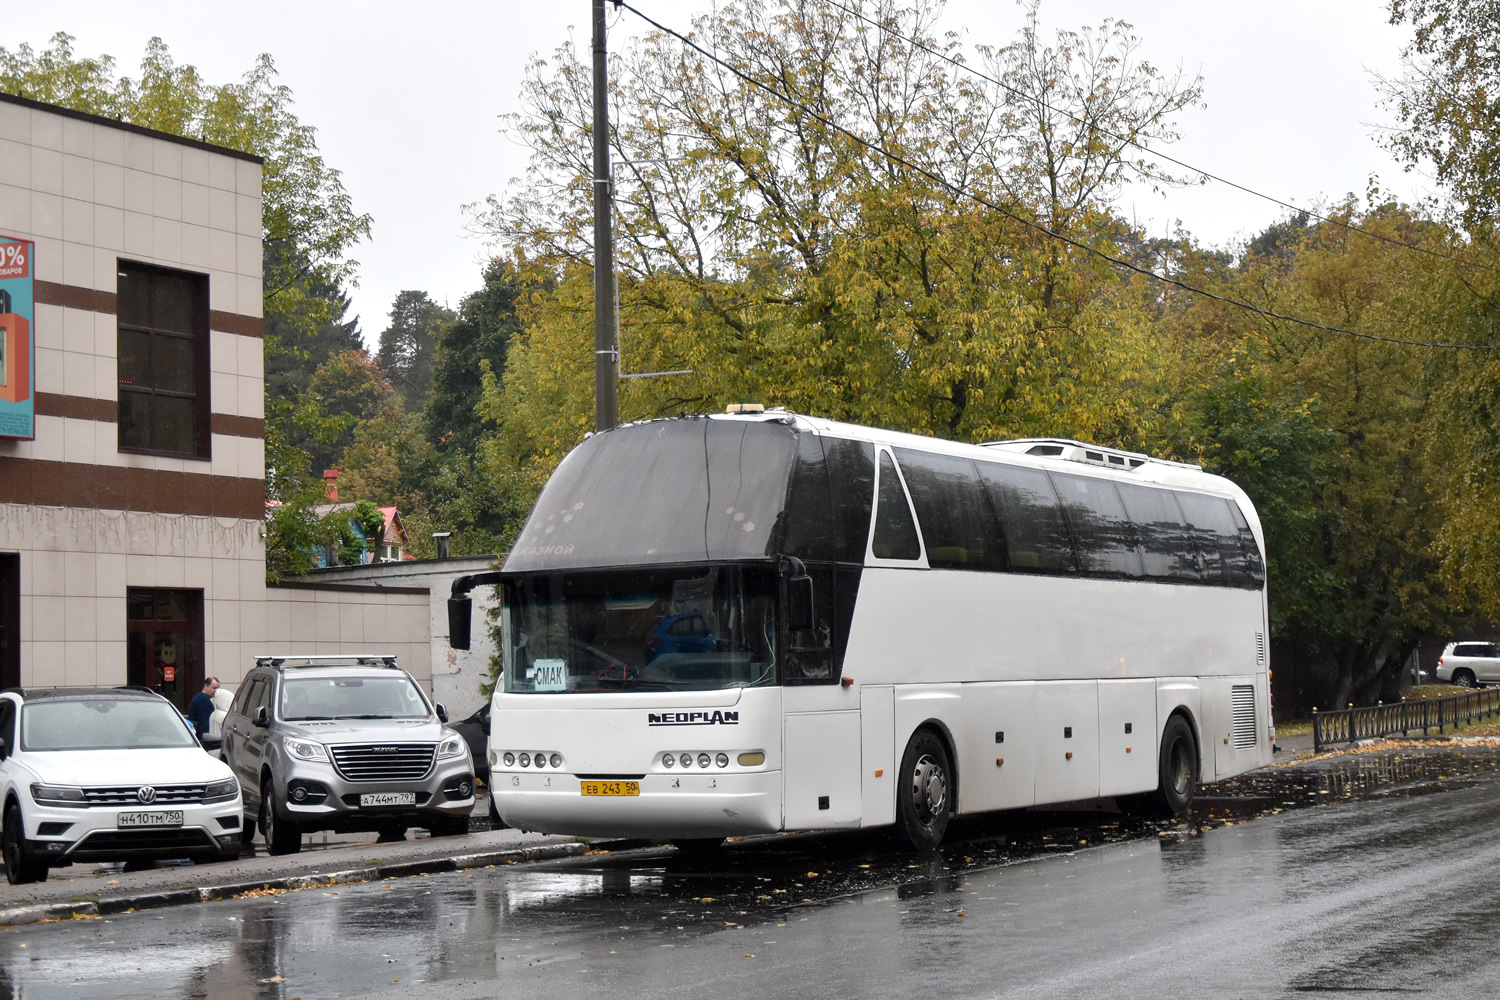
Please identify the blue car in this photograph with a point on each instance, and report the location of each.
(684, 633)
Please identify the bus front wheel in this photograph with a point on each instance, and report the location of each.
(925, 793)
(1177, 769)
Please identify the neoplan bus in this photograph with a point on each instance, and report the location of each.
(744, 623)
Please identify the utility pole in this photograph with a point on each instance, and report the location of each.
(606, 357)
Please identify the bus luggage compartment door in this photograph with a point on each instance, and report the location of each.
(821, 770)
(1067, 716)
(1127, 736)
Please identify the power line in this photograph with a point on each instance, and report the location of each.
(1147, 149)
(961, 193)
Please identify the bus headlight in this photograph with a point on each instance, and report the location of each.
(667, 760)
(722, 760)
(555, 760)
(509, 759)
(704, 760)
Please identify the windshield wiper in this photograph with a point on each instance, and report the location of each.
(311, 718)
(372, 716)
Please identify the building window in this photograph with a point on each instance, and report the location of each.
(163, 361)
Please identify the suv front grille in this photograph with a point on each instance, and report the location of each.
(383, 761)
(128, 795)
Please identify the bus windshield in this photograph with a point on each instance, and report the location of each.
(683, 628)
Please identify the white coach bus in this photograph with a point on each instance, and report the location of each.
(744, 623)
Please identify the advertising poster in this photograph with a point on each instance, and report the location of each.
(17, 354)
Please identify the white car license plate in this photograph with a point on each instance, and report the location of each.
(164, 817)
(388, 799)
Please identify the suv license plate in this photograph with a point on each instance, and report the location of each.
(388, 799)
(166, 817)
(611, 788)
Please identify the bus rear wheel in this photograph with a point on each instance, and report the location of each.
(1177, 769)
(924, 794)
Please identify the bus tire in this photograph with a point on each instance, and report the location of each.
(924, 792)
(1177, 769)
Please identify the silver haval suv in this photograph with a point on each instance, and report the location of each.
(344, 743)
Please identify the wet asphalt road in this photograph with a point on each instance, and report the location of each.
(1387, 888)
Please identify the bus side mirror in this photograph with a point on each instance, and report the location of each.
(460, 611)
(799, 597)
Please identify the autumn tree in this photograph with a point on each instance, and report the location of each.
(1330, 433)
(837, 218)
(1447, 102)
(1448, 99)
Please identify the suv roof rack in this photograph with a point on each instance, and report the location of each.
(293, 661)
(1079, 451)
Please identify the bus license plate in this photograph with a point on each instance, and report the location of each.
(611, 788)
(388, 799)
(164, 817)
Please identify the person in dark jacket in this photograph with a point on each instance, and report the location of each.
(201, 708)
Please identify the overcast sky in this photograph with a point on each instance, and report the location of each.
(406, 100)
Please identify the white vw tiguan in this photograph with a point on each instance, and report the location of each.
(109, 774)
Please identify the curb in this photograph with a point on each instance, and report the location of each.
(206, 894)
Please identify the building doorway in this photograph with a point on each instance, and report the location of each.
(10, 620)
(164, 647)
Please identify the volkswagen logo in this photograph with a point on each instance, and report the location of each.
(146, 794)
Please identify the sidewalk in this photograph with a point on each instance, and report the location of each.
(325, 859)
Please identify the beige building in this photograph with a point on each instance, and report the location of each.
(131, 523)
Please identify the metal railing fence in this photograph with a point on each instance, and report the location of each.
(1349, 725)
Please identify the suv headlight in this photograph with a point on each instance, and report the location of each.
(221, 791)
(306, 749)
(58, 795)
(453, 747)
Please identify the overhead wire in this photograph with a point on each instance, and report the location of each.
(965, 67)
(1032, 224)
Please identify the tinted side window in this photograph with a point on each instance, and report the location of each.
(953, 512)
(243, 698)
(851, 473)
(1166, 547)
(810, 530)
(1102, 532)
(829, 499)
(1253, 571)
(1474, 649)
(1031, 521)
(1213, 532)
(260, 697)
(895, 532)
